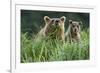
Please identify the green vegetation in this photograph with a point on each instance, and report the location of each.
(38, 49)
(44, 49)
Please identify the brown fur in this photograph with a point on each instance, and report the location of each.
(54, 27)
(73, 33)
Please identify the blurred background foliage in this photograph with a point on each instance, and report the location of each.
(32, 21)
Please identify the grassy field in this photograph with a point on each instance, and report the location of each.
(45, 50)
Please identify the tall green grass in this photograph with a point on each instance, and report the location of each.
(39, 49)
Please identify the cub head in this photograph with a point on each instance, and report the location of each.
(54, 22)
(75, 26)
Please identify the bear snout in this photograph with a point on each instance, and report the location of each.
(56, 22)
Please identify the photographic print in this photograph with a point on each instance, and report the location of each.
(48, 36)
(51, 36)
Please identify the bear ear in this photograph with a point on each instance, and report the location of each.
(63, 18)
(80, 22)
(47, 19)
(70, 21)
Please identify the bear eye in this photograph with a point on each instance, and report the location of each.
(52, 20)
(73, 25)
(77, 26)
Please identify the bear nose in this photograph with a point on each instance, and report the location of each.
(75, 30)
(57, 21)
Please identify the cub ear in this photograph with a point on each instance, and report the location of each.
(63, 18)
(47, 19)
(80, 22)
(70, 21)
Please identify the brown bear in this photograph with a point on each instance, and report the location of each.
(54, 27)
(73, 32)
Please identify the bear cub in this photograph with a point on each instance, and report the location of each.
(54, 28)
(73, 32)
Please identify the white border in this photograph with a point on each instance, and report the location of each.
(15, 51)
